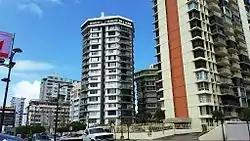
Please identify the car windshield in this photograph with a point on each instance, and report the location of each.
(96, 130)
(42, 137)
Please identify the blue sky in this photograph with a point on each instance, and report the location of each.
(48, 31)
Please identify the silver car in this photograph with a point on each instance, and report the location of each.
(6, 137)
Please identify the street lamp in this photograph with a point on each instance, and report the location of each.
(57, 105)
(10, 65)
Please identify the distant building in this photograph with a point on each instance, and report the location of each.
(49, 87)
(146, 90)
(107, 70)
(18, 103)
(75, 102)
(44, 113)
(9, 117)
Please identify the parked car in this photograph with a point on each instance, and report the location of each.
(6, 137)
(40, 137)
(97, 134)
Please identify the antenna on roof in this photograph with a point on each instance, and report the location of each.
(102, 14)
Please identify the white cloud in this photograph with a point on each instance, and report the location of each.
(27, 90)
(28, 65)
(32, 7)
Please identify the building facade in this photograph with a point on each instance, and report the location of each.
(107, 70)
(18, 103)
(44, 113)
(75, 102)
(202, 53)
(49, 88)
(146, 90)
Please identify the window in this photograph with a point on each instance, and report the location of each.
(93, 91)
(111, 39)
(112, 97)
(94, 53)
(93, 85)
(204, 98)
(94, 40)
(93, 113)
(111, 57)
(111, 45)
(93, 106)
(95, 28)
(111, 27)
(202, 86)
(95, 34)
(113, 112)
(112, 77)
(93, 99)
(112, 105)
(111, 33)
(94, 47)
(113, 64)
(111, 91)
(94, 65)
(94, 71)
(111, 51)
(192, 5)
(93, 78)
(111, 70)
(95, 59)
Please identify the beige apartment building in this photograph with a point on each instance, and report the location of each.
(203, 58)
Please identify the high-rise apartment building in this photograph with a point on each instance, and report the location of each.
(49, 88)
(18, 103)
(107, 70)
(146, 90)
(75, 102)
(44, 113)
(202, 52)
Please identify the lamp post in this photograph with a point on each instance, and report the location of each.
(10, 65)
(57, 105)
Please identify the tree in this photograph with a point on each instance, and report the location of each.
(244, 115)
(62, 129)
(219, 116)
(30, 129)
(76, 126)
(143, 117)
(159, 115)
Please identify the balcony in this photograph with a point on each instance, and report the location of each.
(231, 38)
(247, 87)
(243, 52)
(247, 80)
(213, 6)
(234, 6)
(248, 15)
(227, 92)
(216, 13)
(219, 41)
(235, 67)
(227, 22)
(245, 71)
(221, 51)
(224, 71)
(223, 61)
(229, 31)
(238, 29)
(231, 103)
(242, 45)
(240, 37)
(233, 58)
(231, 115)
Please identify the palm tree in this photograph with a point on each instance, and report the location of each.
(245, 116)
(219, 116)
(159, 115)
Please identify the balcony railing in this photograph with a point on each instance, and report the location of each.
(242, 45)
(238, 29)
(222, 61)
(240, 37)
(224, 71)
(229, 31)
(221, 51)
(219, 41)
(214, 6)
(234, 57)
(235, 67)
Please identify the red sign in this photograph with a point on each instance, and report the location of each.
(6, 41)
